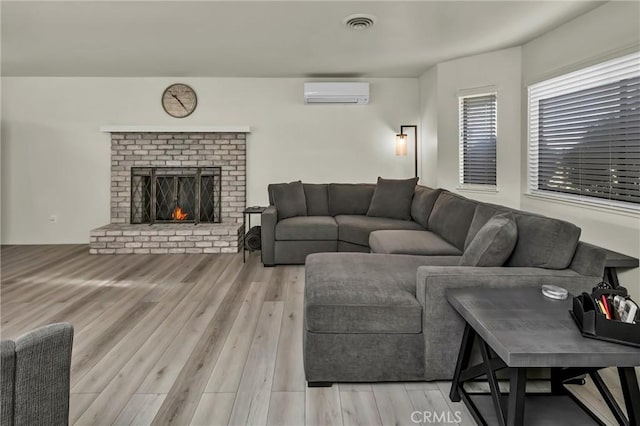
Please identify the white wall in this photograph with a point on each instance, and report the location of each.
(603, 33)
(56, 162)
(429, 127)
(499, 71)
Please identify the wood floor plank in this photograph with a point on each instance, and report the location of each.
(166, 370)
(28, 320)
(359, 409)
(433, 407)
(421, 386)
(110, 365)
(164, 373)
(252, 400)
(394, 405)
(85, 357)
(213, 409)
(277, 284)
(289, 375)
(115, 394)
(78, 403)
(228, 370)
(355, 387)
(323, 407)
(286, 408)
(140, 410)
(184, 396)
(54, 256)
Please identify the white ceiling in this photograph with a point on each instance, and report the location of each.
(262, 38)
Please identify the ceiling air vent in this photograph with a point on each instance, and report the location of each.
(359, 21)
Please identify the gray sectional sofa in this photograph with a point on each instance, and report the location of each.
(383, 315)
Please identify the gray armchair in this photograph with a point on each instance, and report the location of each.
(34, 377)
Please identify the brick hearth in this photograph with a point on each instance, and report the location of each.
(166, 238)
(180, 149)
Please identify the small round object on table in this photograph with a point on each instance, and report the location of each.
(554, 292)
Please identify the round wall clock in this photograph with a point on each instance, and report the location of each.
(179, 100)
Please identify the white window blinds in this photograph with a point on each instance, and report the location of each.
(477, 134)
(584, 134)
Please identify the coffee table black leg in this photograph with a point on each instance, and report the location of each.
(608, 398)
(557, 388)
(517, 389)
(493, 382)
(463, 361)
(629, 384)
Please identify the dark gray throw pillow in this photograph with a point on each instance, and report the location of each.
(493, 243)
(392, 198)
(289, 199)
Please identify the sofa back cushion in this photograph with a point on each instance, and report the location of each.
(423, 200)
(484, 212)
(289, 199)
(493, 243)
(350, 198)
(543, 242)
(317, 199)
(451, 217)
(392, 198)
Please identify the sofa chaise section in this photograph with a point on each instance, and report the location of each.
(361, 317)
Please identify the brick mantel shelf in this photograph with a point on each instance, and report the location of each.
(124, 128)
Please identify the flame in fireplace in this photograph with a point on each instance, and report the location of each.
(178, 214)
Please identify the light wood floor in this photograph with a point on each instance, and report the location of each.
(195, 339)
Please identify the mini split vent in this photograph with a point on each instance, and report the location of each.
(359, 21)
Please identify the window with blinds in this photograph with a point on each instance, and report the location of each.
(584, 134)
(477, 133)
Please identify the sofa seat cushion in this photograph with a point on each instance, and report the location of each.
(363, 293)
(302, 228)
(422, 243)
(356, 228)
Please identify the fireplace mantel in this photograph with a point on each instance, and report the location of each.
(115, 128)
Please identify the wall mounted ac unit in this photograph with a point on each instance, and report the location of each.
(336, 93)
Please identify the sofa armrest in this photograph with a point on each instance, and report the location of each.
(589, 260)
(443, 326)
(268, 221)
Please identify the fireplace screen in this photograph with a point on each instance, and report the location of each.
(175, 194)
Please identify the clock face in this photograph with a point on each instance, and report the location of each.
(179, 100)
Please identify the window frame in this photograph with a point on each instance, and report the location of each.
(532, 133)
(466, 94)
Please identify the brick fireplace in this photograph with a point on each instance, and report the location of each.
(158, 172)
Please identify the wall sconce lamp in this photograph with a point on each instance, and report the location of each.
(401, 144)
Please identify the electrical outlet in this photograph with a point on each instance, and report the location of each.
(53, 218)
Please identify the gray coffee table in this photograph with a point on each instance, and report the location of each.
(518, 329)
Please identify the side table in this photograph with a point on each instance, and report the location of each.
(246, 213)
(518, 328)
